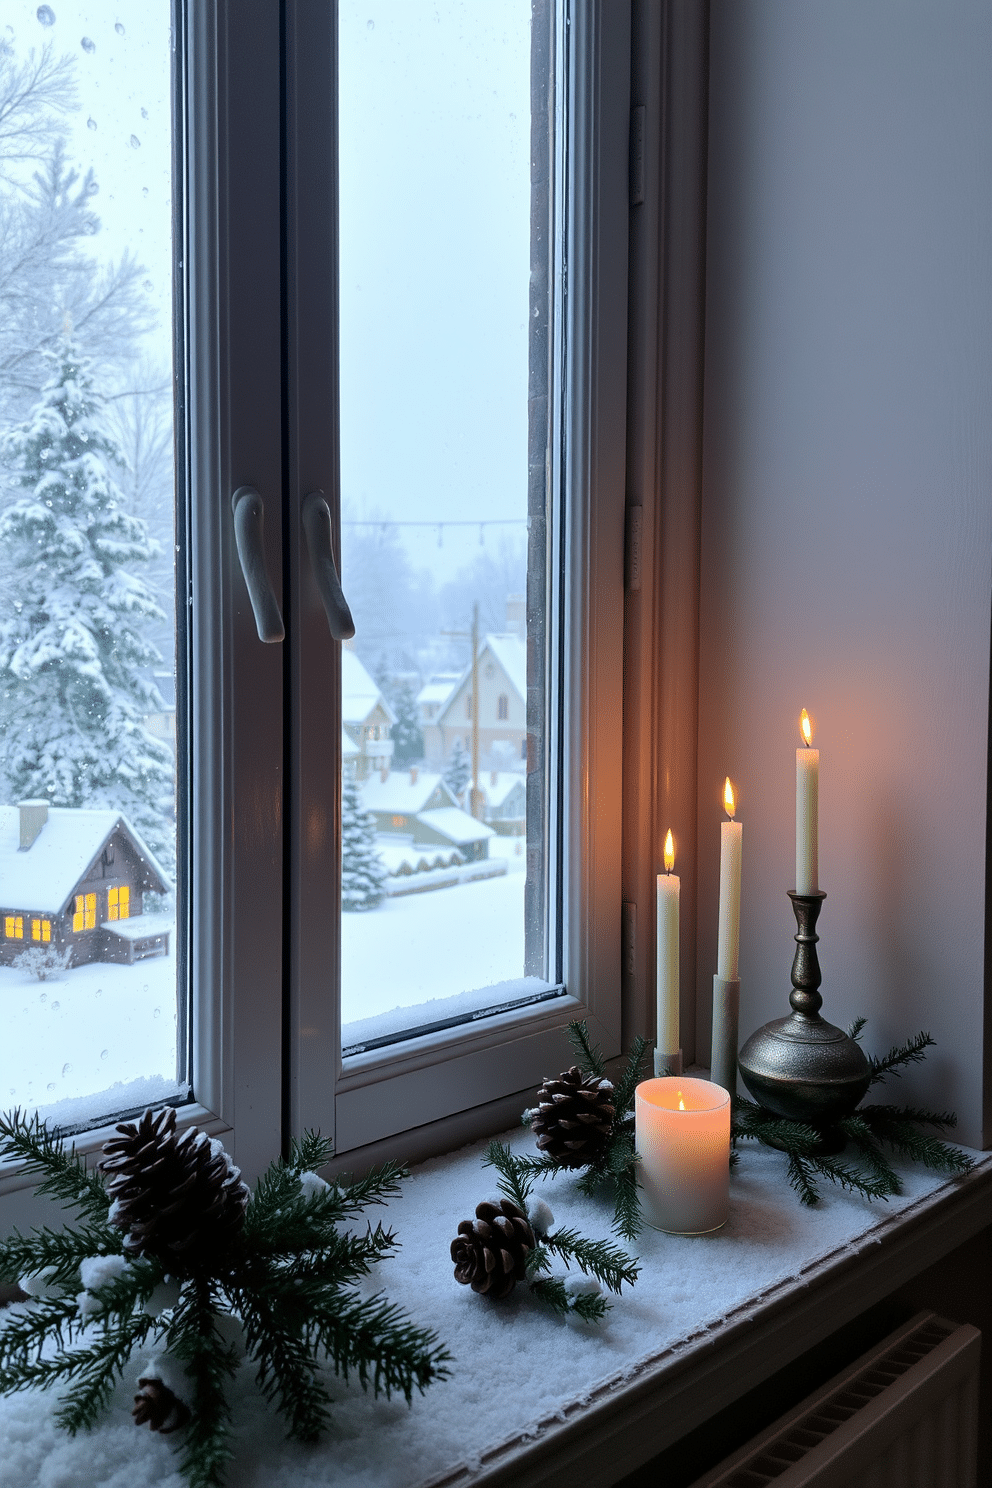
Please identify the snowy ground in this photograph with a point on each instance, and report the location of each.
(107, 1028)
(412, 950)
(92, 1029)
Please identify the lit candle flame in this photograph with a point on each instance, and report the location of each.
(807, 728)
(729, 804)
(669, 852)
(681, 1102)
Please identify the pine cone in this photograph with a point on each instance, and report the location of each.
(180, 1197)
(156, 1404)
(490, 1252)
(573, 1118)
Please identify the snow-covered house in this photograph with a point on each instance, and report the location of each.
(367, 718)
(502, 670)
(450, 825)
(434, 694)
(397, 798)
(77, 878)
(505, 801)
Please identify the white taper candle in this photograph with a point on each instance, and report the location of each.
(729, 937)
(669, 889)
(807, 812)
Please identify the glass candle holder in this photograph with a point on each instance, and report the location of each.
(682, 1128)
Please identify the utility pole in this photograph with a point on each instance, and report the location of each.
(476, 800)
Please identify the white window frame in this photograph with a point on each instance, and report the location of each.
(264, 720)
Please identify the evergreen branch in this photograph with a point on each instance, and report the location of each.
(627, 1217)
(99, 1367)
(899, 1130)
(590, 1058)
(801, 1179)
(376, 1339)
(210, 1363)
(377, 1186)
(860, 1133)
(882, 1113)
(854, 1032)
(339, 1258)
(287, 1364)
(27, 1139)
(537, 1260)
(309, 1153)
(62, 1250)
(608, 1263)
(631, 1077)
(514, 1182)
(539, 1167)
(913, 1051)
(550, 1290)
(27, 1331)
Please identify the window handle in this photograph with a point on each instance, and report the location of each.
(249, 514)
(317, 526)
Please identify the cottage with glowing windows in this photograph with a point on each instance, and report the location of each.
(77, 879)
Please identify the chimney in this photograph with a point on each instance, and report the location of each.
(516, 615)
(413, 774)
(384, 774)
(34, 815)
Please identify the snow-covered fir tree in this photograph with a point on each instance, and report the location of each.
(363, 874)
(408, 741)
(458, 771)
(72, 634)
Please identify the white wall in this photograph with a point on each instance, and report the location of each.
(847, 521)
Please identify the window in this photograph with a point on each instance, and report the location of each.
(41, 930)
(119, 902)
(14, 927)
(84, 912)
(255, 326)
(502, 706)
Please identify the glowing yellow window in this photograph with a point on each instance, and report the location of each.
(41, 930)
(119, 903)
(13, 927)
(84, 913)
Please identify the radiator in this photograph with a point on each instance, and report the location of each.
(904, 1415)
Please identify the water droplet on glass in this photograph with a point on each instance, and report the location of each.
(144, 113)
(98, 992)
(46, 16)
(90, 123)
(56, 1006)
(104, 1053)
(157, 1013)
(144, 190)
(52, 1085)
(148, 285)
(370, 25)
(66, 1068)
(119, 28)
(43, 997)
(88, 45)
(145, 987)
(135, 142)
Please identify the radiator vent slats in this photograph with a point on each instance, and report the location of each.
(904, 1416)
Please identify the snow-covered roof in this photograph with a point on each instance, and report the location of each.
(497, 791)
(359, 694)
(511, 653)
(44, 875)
(456, 825)
(140, 927)
(439, 688)
(349, 749)
(399, 794)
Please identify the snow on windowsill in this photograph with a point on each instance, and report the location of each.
(514, 1366)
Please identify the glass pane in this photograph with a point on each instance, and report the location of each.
(87, 549)
(444, 213)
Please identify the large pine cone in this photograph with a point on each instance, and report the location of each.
(490, 1252)
(573, 1118)
(180, 1198)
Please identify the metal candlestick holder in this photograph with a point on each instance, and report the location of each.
(802, 1067)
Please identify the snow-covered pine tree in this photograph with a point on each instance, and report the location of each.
(458, 770)
(72, 644)
(408, 741)
(363, 874)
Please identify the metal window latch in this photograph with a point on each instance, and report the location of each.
(317, 526)
(249, 513)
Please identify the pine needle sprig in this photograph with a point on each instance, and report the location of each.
(590, 1059)
(856, 1028)
(309, 1153)
(374, 1339)
(211, 1364)
(59, 1251)
(899, 1127)
(551, 1291)
(860, 1134)
(515, 1180)
(96, 1369)
(23, 1334)
(600, 1258)
(26, 1139)
(631, 1077)
(913, 1051)
(287, 1364)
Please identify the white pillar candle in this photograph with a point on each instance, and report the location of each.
(807, 812)
(669, 889)
(729, 938)
(682, 1135)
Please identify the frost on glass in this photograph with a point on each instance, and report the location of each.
(87, 546)
(436, 218)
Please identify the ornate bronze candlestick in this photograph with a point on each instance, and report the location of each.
(802, 1067)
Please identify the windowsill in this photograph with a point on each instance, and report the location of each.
(531, 1396)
